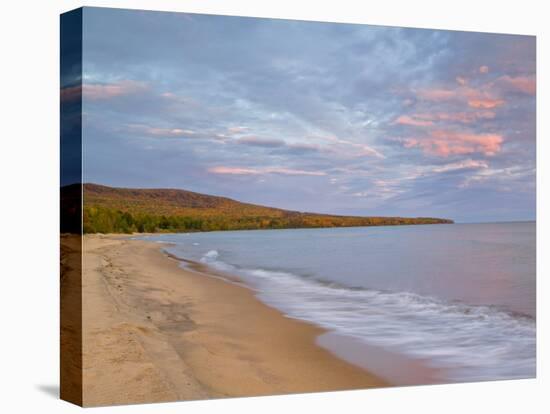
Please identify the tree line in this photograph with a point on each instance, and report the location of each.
(98, 219)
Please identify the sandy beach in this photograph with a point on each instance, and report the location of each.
(153, 331)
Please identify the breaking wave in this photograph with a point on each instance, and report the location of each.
(472, 343)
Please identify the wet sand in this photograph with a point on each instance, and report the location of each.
(153, 332)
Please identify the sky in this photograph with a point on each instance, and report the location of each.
(311, 116)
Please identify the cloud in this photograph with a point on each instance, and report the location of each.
(407, 120)
(482, 97)
(237, 129)
(437, 94)
(342, 146)
(463, 117)
(159, 132)
(234, 171)
(461, 80)
(524, 84)
(101, 91)
(468, 164)
(169, 132)
(304, 147)
(485, 103)
(429, 119)
(198, 107)
(501, 177)
(279, 146)
(262, 171)
(486, 96)
(443, 143)
(261, 142)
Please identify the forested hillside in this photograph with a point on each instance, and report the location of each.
(125, 210)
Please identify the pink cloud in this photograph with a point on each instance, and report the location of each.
(437, 94)
(99, 91)
(171, 132)
(234, 171)
(237, 129)
(444, 143)
(407, 120)
(465, 117)
(159, 132)
(525, 84)
(427, 119)
(481, 97)
(486, 96)
(485, 103)
(262, 171)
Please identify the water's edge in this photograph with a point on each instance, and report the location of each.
(438, 340)
(394, 368)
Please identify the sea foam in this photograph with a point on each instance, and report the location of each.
(470, 343)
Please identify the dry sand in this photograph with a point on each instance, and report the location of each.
(153, 331)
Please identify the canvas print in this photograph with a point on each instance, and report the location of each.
(256, 206)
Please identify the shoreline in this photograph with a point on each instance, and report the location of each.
(154, 331)
(394, 368)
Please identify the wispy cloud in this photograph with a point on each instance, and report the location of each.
(443, 143)
(468, 164)
(414, 120)
(262, 171)
(100, 91)
(261, 142)
(239, 129)
(429, 119)
(502, 178)
(449, 108)
(483, 97)
(159, 132)
(351, 148)
(524, 84)
(485, 102)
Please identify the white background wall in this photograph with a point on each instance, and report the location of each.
(29, 206)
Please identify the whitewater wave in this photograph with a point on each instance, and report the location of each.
(210, 257)
(471, 343)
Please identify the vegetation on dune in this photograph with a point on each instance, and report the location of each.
(118, 210)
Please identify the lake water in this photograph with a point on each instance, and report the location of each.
(459, 297)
